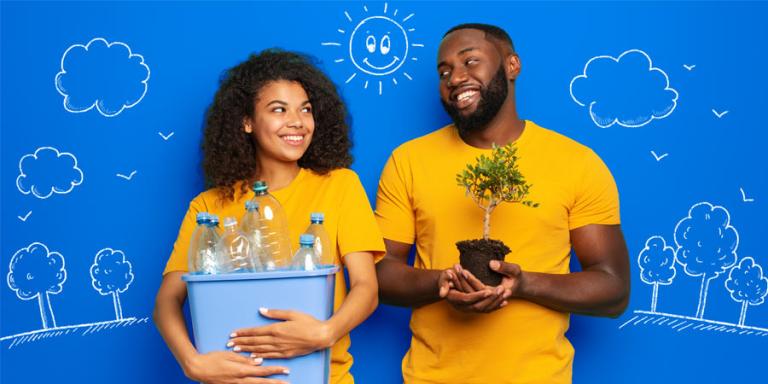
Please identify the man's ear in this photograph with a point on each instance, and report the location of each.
(512, 66)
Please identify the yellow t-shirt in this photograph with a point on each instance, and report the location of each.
(349, 222)
(420, 202)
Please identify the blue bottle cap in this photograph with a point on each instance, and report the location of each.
(251, 205)
(260, 186)
(214, 220)
(306, 239)
(316, 217)
(203, 217)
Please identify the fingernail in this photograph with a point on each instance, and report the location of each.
(230, 344)
(499, 290)
(466, 274)
(236, 349)
(263, 310)
(494, 264)
(286, 371)
(258, 360)
(503, 304)
(233, 334)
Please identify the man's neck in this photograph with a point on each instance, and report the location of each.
(505, 128)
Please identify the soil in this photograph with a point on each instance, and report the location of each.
(474, 255)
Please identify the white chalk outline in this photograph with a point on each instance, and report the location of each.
(165, 137)
(651, 68)
(40, 334)
(115, 294)
(657, 157)
(33, 190)
(689, 67)
(129, 177)
(387, 70)
(39, 298)
(719, 114)
(655, 284)
(688, 321)
(745, 303)
(705, 281)
(25, 217)
(95, 103)
(744, 196)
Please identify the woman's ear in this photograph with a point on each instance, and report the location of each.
(247, 126)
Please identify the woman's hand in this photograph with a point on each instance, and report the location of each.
(299, 334)
(230, 368)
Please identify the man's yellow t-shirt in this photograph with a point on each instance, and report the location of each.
(420, 202)
(349, 222)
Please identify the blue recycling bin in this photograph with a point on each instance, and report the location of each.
(220, 304)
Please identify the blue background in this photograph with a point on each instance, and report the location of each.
(188, 45)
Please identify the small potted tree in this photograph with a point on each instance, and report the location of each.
(489, 182)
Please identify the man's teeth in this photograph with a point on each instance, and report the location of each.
(465, 95)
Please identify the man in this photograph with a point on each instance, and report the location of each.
(464, 331)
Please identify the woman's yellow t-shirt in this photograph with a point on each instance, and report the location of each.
(349, 221)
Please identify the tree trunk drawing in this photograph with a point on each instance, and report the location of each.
(46, 313)
(744, 305)
(118, 307)
(655, 297)
(702, 297)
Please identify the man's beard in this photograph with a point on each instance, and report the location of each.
(491, 99)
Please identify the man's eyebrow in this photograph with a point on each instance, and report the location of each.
(463, 51)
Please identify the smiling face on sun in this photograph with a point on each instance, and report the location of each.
(378, 46)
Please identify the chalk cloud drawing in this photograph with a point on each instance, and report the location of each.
(35, 273)
(111, 274)
(744, 197)
(48, 171)
(626, 90)
(104, 75)
(705, 245)
(378, 46)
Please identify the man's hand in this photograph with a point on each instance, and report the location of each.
(299, 334)
(512, 281)
(466, 293)
(230, 368)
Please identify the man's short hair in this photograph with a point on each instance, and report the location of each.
(492, 33)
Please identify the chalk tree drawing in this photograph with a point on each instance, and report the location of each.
(706, 245)
(48, 171)
(657, 265)
(626, 90)
(34, 273)
(108, 76)
(111, 274)
(747, 285)
(378, 46)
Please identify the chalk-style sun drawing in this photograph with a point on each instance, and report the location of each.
(378, 46)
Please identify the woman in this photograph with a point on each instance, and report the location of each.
(279, 119)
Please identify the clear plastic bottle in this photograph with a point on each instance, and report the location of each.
(274, 226)
(251, 227)
(322, 245)
(235, 248)
(204, 255)
(305, 258)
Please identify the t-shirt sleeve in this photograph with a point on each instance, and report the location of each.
(596, 199)
(179, 256)
(394, 209)
(358, 231)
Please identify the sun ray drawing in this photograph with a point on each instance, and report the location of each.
(377, 43)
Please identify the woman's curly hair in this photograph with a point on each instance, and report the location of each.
(229, 153)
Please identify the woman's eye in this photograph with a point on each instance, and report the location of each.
(307, 109)
(278, 110)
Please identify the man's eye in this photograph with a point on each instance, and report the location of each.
(472, 61)
(443, 74)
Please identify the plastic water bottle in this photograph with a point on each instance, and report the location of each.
(235, 248)
(305, 258)
(274, 226)
(251, 227)
(204, 255)
(322, 244)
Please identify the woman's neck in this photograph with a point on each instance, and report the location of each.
(277, 174)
